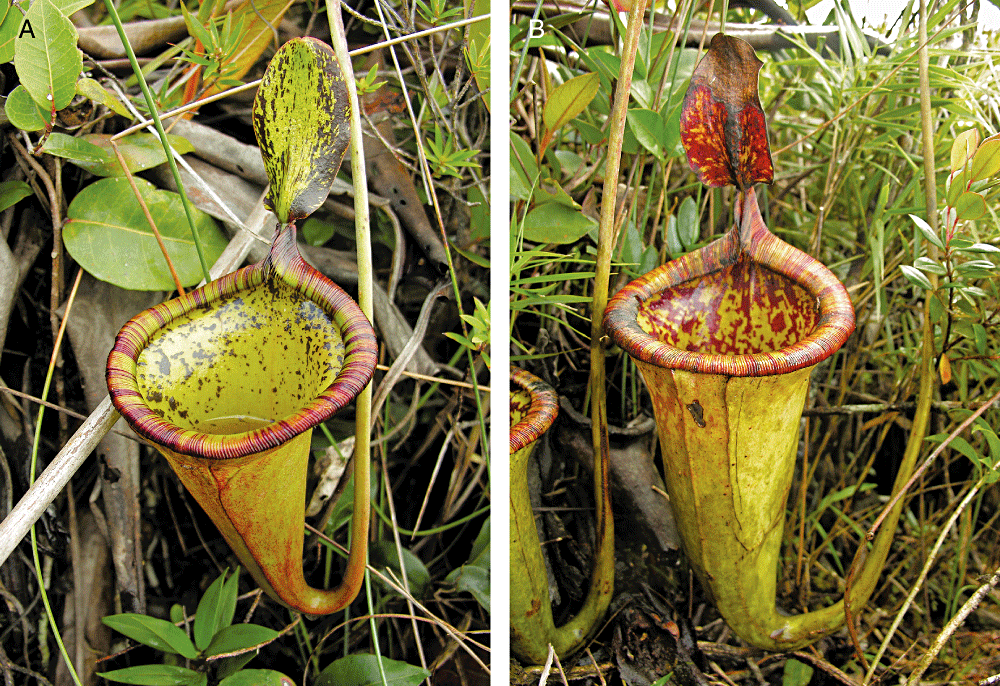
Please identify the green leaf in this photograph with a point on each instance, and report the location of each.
(72, 148)
(523, 168)
(12, 192)
(301, 119)
(240, 638)
(47, 59)
(68, 7)
(963, 148)
(927, 232)
(10, 24)
(157, 675)
(23, 112)
(649, 129)
(796, 674)
(688, 222)
(257, 677)
(474, 575)
(209, 615)
(153, 632)
(89, 88)
(363, 670)
(554, 222)
(384, 554)
(569, 99)
(986, 161)
(916, 277)
(141, 151)
(970, 206)
(926, 264)
(109, 236)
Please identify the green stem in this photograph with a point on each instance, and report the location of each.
(50, 615)
(151, 105)
(602, 581)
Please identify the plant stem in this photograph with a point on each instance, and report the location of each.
(602, 581)
(168, 151)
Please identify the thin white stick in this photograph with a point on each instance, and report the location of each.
(55, 477)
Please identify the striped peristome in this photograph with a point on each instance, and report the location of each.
(282, 279)
(748, 304)
(533, 408)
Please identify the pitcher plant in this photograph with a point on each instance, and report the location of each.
(228, 381)
(533, 408)
(725, 338)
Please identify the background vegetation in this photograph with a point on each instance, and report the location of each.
(126, 537)
(845, 131)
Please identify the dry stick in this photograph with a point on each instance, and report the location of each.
(918, 584)
(952, 626)
(149, 217)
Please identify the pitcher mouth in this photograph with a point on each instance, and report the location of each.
(537, 416)
(812, 296)
(282, 267)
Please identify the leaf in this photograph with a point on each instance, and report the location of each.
(362, 670)
(209, 616)
(13, 192)
(68, 7)
(23, 112)
(796, 674)
(109, 236)
(554, 222)
(47, 59)
(240, 638)
(10, 25)
(157, 675)
(257, 677)
(568, 100)
(963, 148)
(927, 231)
(523, 168)
(89, 88)
(301, 120)
(384, 554)
(649, 129)
(71, 148)
(141, 151)
(474, 575)
(970, 206)
(986, 161)
(722, 122)
(916, 277)
(688, 222)
(153, 632)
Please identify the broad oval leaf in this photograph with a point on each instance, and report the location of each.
(240, 638)
(10, 24)
(301, 117)
(257, 677)
(12, 192)
(722, 122)
(986, 161)
(153, 632)
(72, 148)
(108, 234)
(553, 222)
(363, 670)
(963, 148)
(141, 151)
(157, 675)
(384, 554)
(688, 222)
(569, 99)
(649, 129)
(23, 112)
(46, 58)
(970, 206)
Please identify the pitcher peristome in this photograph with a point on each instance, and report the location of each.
(228, 382)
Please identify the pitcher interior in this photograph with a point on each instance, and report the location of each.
(742, 309)
(241, 361)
